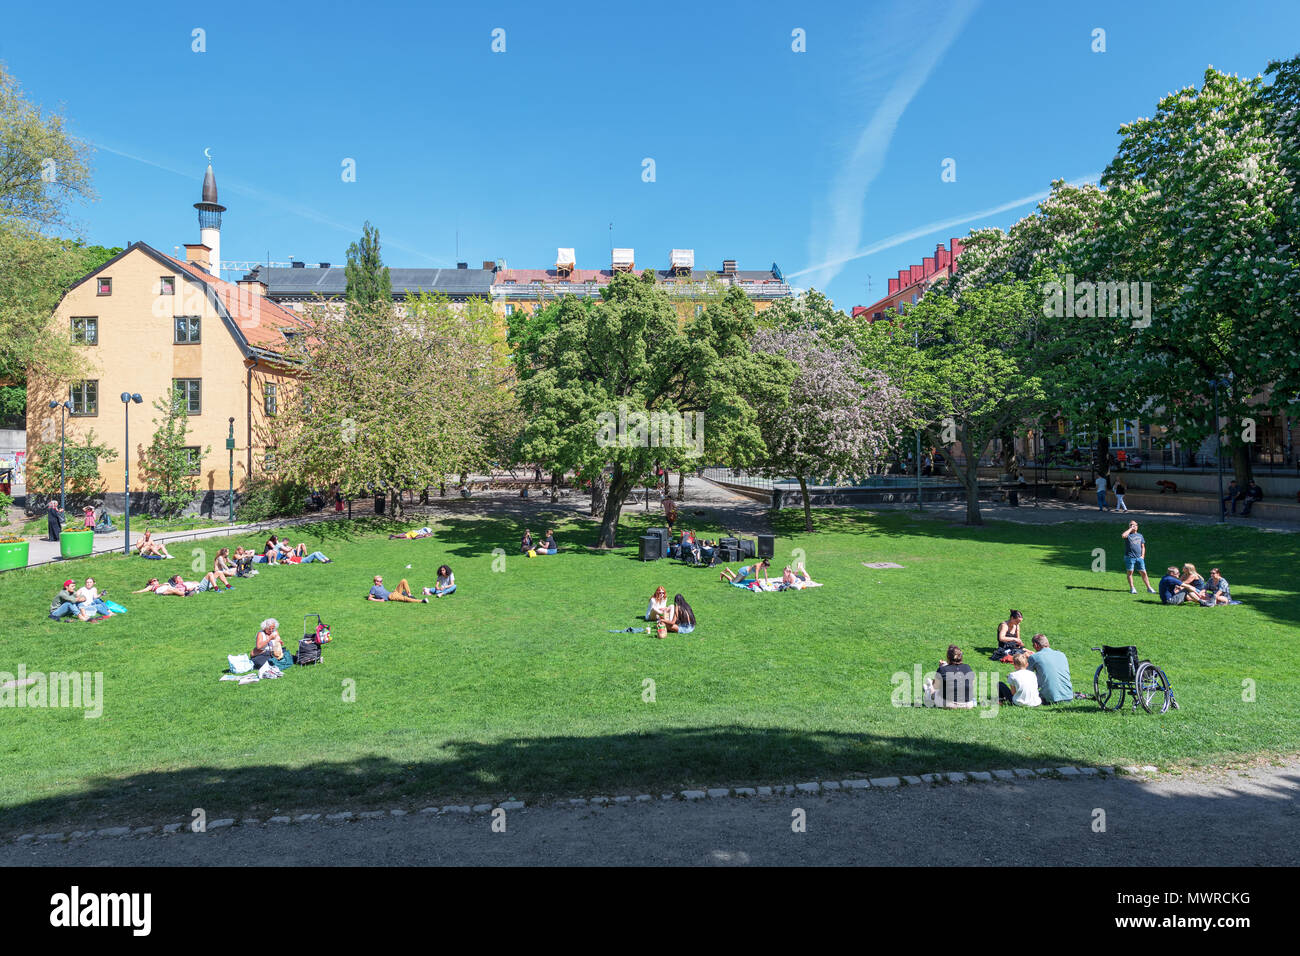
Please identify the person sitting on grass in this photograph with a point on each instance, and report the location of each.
(267, 646)
(90, 601)
(1193, 580)
(67, 605)
(1052, 670)
(1216, 590)
(270, 551)
(400, 593)
(149, 548)
(953, 684)
(748, 574)
(675, 618)
(658, 604)
(547, 544)
(444, 584)
(1009, 630)
(244, 562)
(1021, 685)
(526, 543)
(1172, 589)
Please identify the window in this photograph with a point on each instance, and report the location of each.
(167, 285)
(1124, 435)
(85, 330)
(510, 309)
(193, 458)
(104, 286)
(190, 391)
(85, 398)
(187, 330)
(268, 460)
(269, 398)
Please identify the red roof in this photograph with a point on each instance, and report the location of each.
(261, 321)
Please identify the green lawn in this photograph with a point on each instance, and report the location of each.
(514, 687)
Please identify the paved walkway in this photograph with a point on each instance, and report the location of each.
(1211, 818)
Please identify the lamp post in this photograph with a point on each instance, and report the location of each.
(127, 399)
(916, 344)
(230, 446)
(63, 447)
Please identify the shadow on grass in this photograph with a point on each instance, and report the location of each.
(532, 769)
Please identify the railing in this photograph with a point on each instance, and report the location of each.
(552, 290)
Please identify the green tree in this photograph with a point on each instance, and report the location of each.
(1200, 203)
(960, 356)
(168, 469)
(84, 485)
(368, 280)
(607, 378)
(43, 168)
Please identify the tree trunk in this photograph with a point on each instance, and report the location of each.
(681, 486)
(394, 502)
(618, 488)
(807, 502)
(1241, 465)
(598, 494)
(442, 488)
(555, 487)
(971, 479)
(1103, 453)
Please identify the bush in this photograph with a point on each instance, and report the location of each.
(85, 486)
(6, 503)
(262, 499)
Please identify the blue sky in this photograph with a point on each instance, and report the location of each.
(761, 154)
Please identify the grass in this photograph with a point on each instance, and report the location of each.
(513, 687)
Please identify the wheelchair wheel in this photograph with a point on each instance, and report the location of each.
(1153, 688)
(1103, 691)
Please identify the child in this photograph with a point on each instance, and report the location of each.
(1023, 689)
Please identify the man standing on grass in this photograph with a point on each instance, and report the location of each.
(1135, 556)
(1101, 492)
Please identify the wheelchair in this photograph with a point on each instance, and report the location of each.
(1124, 674)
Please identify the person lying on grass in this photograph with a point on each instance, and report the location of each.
(267, 645)
(179, 587)
(412, 535)
(67, 605)
(754, 572)
(149, 548)
(401, 593)
(796, 577)
(299, 555)
(444, 584)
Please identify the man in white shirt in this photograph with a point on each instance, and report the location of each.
(1101, 492)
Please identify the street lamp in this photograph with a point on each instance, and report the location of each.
(127, 399)
(63, 446)
(230, 446)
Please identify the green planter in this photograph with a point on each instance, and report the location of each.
(76, 544)
(13, 556)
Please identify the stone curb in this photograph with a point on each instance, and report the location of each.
(970, 777)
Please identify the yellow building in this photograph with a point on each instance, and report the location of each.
(149, 323)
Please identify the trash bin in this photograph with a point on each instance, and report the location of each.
(379, 504)
(1013, 497)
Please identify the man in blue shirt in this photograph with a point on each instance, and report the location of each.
(1052, 670)
(1172, 590)
(1135, 556)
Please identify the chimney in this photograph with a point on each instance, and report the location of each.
(893, 286)
(251, 287)
(199, 254)
(324, 265)
(489, 265)
(462, 265)
(728, 267)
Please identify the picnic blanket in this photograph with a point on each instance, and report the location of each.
(758, 586)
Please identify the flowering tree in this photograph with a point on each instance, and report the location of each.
(839, 420)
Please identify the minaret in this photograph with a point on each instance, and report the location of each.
(210, 220)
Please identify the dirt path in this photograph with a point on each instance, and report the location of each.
(1221, 818)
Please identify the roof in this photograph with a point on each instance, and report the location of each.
(260, 321)
(306, 283)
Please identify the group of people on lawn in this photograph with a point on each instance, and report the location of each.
(445, 583)
(665, 617)
(85, 603)
(1037, 677)
(1177, 585)
(533, 548)
(755, 577)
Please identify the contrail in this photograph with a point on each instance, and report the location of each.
(922, 231)
(304, 212)
(860, 170)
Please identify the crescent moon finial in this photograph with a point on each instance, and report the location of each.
(207, 151)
